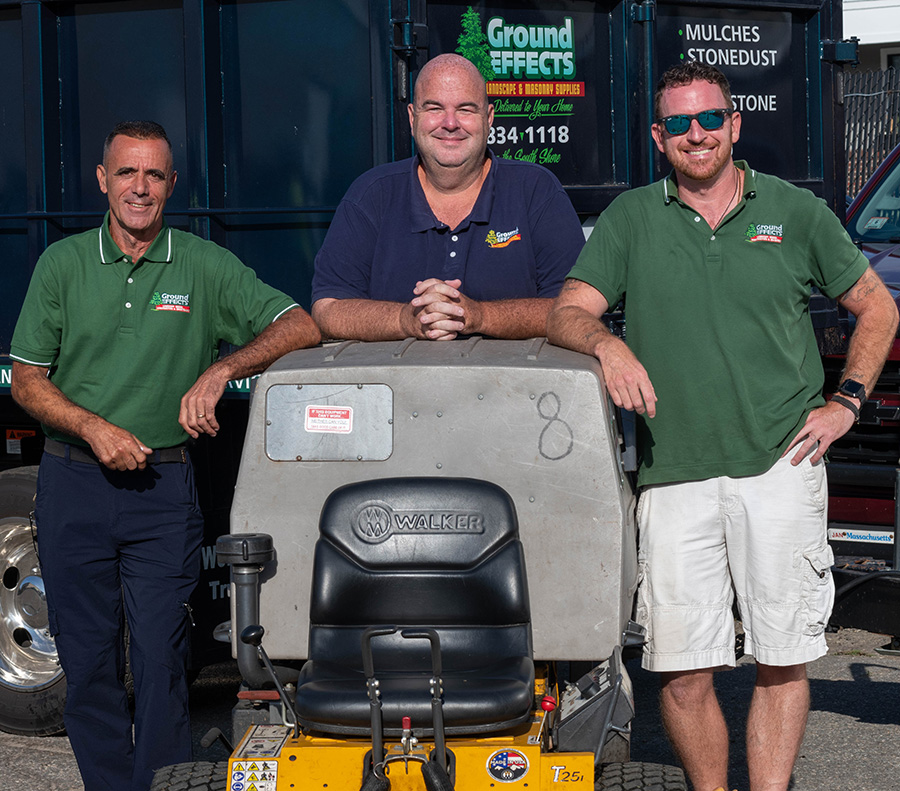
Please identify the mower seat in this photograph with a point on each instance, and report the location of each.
(437, 553)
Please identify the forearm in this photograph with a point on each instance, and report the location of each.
(45, 402)
(876, 328)
(869, 346)
(575, 328)
(294, 330)
(512, 318)
(365, 319)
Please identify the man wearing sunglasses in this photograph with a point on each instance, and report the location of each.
(715, 263)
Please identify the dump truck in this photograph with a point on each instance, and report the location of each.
(273, 109)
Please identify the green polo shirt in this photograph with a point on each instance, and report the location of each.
(127, 339)
(720, 319)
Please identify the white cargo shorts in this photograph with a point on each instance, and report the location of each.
(761, 538)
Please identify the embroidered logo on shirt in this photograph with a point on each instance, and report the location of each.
(503, 238)
(765, 233)
(177, 302)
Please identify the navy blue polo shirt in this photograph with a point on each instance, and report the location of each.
(520, 240)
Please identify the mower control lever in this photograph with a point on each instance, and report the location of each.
(253, 635)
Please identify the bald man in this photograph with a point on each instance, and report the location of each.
(454, 241)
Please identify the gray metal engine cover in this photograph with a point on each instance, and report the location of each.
(526, 415)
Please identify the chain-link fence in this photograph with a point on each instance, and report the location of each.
(872, 113)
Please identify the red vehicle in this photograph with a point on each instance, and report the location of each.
(864, 465)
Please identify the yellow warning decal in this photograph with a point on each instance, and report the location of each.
(253, 776)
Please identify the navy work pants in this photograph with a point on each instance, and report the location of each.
(108, 539)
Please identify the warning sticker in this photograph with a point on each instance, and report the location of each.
(329, 419)
(14, 438)
(263, 741)
(254, 776)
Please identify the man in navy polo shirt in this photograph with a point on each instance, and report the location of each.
(454, 241)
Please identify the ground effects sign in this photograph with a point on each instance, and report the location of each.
(538, 68)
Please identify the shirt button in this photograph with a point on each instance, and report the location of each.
(453, 255)
(455, 238)
(131, 280)
(712, 238)
(127, 304)
(696, 219)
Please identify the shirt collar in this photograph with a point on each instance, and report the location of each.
(160, 249)
(423, 219)
(670, 185)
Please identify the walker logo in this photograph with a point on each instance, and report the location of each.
(503, 239)
(765, 233)
(864, 536)
(181, 303)
(507, 766)
(375, 522)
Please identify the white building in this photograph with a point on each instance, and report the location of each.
(876, 23)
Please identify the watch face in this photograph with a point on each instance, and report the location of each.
(853, 389)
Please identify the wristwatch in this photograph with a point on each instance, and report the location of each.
(853, 389)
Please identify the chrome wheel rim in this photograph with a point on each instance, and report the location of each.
(28, 659)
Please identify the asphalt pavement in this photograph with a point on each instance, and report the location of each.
(852, 741)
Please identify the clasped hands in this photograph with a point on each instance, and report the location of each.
(440, 312)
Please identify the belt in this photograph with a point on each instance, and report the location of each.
(176, 455)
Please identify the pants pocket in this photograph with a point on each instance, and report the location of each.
(817, 588)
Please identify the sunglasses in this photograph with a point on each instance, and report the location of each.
(708, 119)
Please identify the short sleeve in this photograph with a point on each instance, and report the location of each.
(343, 267)
(246, 305)
(36, 338)
(603, 261)
(558, 239)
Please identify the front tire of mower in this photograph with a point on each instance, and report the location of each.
(636, 776)
(197, 776)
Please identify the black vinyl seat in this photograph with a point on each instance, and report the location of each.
(435, 553)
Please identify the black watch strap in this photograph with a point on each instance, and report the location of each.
(846, 402)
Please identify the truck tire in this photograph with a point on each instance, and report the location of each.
(635, 776)
(198, 776)
(32, 684)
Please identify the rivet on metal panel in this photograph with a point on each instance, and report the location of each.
(359, 458)
(390, 421)
(299, 387)
(480, 397)
(439, 466)
(299, 458)
(440, 414)
(531, 396)
(415, 414)
(530, 499)
(268, 422)
(359, 387)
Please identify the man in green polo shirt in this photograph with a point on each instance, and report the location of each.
(115, 352)
(715, 264)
